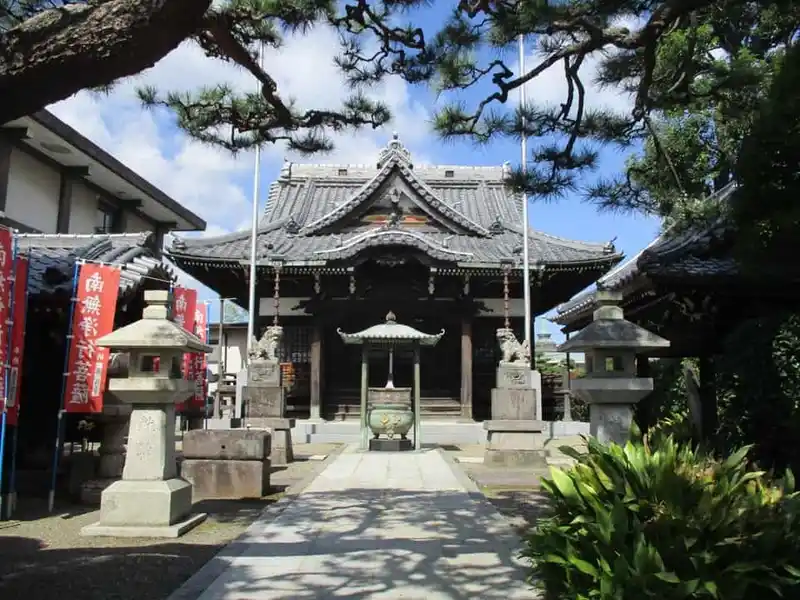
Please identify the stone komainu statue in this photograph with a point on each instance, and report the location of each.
(268, 346)
(514, 352)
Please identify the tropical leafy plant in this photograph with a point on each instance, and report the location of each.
(663, 520)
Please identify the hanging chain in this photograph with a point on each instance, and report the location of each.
(506, 301)
(276, 295)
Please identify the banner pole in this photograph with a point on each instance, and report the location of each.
(12, 479)
(202, 361)
(51, 499)
(7, 329)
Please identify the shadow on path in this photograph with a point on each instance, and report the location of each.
(371, 543)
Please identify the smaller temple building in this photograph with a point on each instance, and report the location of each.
(340, 246)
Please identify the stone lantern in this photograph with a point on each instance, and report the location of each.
(150, 500)
(610, 386)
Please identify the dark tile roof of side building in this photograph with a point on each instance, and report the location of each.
(668, 254)
(308, 200)
(53, 257)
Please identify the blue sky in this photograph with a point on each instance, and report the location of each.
(219, 187)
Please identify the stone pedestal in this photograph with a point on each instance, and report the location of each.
(265, 408)
(514, 436)
(515, 443)
(227, 464)
(393, 445)
(149, 501)
(281, 431)
(611, 423)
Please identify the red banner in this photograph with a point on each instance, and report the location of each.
(6, 272)
(200, 360)
(92, 318)
(17, 338)
(184, 305)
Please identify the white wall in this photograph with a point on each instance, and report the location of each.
(83, 212)
(33, 193)
(135, 224)
(234, 349)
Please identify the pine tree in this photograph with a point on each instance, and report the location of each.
(51, 49)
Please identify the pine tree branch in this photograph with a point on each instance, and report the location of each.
(63, 50)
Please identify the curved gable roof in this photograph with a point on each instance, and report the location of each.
(395, 161)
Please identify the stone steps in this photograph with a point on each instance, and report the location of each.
(438, 431)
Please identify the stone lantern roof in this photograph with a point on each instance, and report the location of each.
(610, 330)
(391, 332)
(155, 330)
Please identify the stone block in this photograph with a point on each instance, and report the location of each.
(394, 445)
(146, 503)
(514, 403)
(264, 402)
(264, 373)
(226, 479)
(151, 445)
(514, 376)
(515, 443)
(281, 428)
(511, 459)
(611, 422)
(231, 444)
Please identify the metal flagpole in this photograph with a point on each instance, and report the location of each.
(526, 257)
(251, 321)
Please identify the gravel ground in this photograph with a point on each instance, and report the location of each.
(43, 557)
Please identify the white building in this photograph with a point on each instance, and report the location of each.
(53, 180)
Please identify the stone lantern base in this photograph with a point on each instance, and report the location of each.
(158, 509)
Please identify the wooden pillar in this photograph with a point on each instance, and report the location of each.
(69, 175)
(466, 367)
(709, 421)
(64, 202)
(6, 147)
(417, 401)
(364, 391)
(8, 136)
(316, 371)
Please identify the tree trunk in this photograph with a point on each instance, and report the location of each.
(61, 51)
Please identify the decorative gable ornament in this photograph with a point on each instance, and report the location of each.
(292, 227)
(497, 228)
(395, 149)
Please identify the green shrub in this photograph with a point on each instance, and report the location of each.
(658, 519)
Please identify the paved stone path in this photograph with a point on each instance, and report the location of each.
(378, 526)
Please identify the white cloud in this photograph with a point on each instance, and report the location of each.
(550, 87)
(209, 181)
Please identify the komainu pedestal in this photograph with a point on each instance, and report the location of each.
(514, 435)
(264, 396)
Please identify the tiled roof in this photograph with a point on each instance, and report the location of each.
(307, 201)
(669, 254)
(53, 257)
